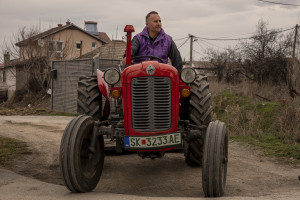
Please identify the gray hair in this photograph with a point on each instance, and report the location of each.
(151, 13)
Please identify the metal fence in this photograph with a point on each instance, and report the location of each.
(65, 76)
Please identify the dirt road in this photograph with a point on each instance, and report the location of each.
(36, 176)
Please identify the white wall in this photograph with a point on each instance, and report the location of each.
(10, 80)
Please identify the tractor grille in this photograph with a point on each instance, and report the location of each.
(151, 103)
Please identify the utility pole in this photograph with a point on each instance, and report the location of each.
(191, 48)
(293, 64)
(294, 45)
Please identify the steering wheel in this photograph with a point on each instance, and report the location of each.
(146, 56)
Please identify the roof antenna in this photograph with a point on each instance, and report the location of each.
(117, 33)
(39, 24)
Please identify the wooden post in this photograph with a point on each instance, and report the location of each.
(294, 45)
(191, 48)
(291, 82)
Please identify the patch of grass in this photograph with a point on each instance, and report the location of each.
(244, 115)
(271, 125)
(10, 149)
(31, 111)
(272, 146)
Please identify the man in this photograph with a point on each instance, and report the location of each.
(153, 41)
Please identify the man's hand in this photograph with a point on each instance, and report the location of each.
(123, 62)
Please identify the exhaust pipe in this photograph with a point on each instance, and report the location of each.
(129, 29)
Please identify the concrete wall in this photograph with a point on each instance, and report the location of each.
(22, 78)
(64, 86)
(10, 80)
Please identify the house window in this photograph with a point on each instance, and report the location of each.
(4, 76)
(51, 46)
(59, 46)
(93, 45)
(78, 45)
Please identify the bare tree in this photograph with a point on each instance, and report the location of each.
(261, 58)
(266, 53)
(32, 54)
(227, 64)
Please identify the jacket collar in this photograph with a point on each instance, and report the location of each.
(146, 34)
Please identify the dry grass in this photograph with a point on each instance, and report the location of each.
(253, 90)
(10, 149)
(289, 123)
(272, 124)
(250, 110)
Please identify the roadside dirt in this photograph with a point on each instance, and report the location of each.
(249, 173)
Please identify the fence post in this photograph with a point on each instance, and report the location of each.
(96, 65)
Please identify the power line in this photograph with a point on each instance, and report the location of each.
(245, 38)
(200, 45)
(211, 44)
(183, 42)
(179, 39)
(286, 4)
(228, 37)
(197, 52)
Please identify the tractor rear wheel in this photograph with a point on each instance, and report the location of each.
(215, 160)
(200, 114)
(80, 167)
(89, 99)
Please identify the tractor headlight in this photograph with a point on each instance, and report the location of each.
(111, 76)
(188, 75)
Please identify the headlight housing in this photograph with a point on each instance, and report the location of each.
(188, 75)
(111, 76)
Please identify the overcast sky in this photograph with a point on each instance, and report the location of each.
(202, 18)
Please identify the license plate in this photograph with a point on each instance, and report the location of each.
(152, 142)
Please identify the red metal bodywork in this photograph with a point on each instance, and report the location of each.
(102, 85)
(139, 70)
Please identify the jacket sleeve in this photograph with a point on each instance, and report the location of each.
(135, 45)
(175, 56)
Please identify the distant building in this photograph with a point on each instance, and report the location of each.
(92, 28)
(63, 42)
(12, 76)
(112, 51)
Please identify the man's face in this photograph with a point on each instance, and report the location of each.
(154, 23)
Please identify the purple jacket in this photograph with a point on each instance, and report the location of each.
(159, 48)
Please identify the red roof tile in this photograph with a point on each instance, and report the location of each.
(103, 36)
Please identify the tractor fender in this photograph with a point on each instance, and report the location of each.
(102, 85)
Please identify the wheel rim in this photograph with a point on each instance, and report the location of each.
(88, 159)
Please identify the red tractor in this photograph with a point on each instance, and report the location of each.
(154, 109)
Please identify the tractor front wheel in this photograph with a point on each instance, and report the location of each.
(80, 166)
(215, 159)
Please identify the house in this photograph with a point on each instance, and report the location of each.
(3, 85)
(63, 42)
(12, 76)
(92, 28)
(112, 51)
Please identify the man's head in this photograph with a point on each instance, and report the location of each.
(153, 23)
